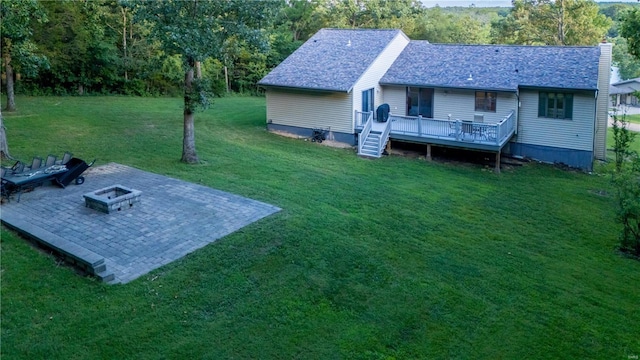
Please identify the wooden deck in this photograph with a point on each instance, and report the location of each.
(452, 133)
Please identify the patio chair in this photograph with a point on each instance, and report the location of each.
(36, 163)
(66, 157)
(467, 128)
(51, 160)
(453, 127)
(18, 167)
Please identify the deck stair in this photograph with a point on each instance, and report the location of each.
(374, 138)
(371, 146)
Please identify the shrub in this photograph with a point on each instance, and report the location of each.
(626, 179)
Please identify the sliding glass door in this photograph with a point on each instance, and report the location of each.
(420, 102)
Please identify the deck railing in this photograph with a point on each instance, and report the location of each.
(366, 129)
(361, 118)
(507, 126)
(458, 130)
(385, 135)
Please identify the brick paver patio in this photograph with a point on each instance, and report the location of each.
(173, 218)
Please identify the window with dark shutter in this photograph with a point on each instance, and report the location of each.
(555, 105)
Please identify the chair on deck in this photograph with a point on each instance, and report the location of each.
(467, 127)
(478, 129)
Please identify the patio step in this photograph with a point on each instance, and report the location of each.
(85, 259)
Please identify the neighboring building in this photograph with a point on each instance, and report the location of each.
(622, 92)
(540, 102)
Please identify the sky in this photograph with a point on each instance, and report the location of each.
(479, 3)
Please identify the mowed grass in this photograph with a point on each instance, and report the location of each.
(395, 258)
(634, 118)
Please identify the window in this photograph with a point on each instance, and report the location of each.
(367, 100)
(486, 101)
(555, 105)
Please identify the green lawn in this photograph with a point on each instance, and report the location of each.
(395, 258)
(635, 145)
(634, 118)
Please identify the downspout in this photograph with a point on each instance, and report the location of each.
(517, 111)
(595, 125)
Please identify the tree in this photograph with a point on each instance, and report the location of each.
(197, 30)
(81, 46)
(18, 50)
(552, 22)
(630, 29)
(371, 13)
(628, 65)
(626, 180)
(4, 146)
(439, 27)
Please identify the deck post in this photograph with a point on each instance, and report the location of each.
(388, 148)
(419, 125)
(428, 152)
(497, 169)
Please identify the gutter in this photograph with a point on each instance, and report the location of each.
(450, 87)
(303, 88)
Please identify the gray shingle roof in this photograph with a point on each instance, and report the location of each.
(495, 67)
(625, 87)
(333, 59)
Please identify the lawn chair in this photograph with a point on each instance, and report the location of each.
(51, 160)
(18, 167)
(66, 157)
(36, 163)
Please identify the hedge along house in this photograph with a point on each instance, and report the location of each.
(539, 102)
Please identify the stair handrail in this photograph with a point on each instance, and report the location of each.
(384, 136)
(365, 132)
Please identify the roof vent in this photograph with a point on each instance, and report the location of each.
(349, 42)
(470, 78)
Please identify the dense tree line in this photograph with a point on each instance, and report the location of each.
(102, 47)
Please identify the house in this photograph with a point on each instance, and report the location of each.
(622, 92)
(540, 102)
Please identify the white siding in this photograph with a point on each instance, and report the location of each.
(371, 77)
(310, 109)
(396, 97)
(602, 110)
(576, 133)
(459, 103)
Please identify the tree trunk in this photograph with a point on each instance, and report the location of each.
(124, 43)
(11, 97)
(189, 139)
(4, 146)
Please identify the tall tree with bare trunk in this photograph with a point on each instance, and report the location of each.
(196, 30)
(4, 146)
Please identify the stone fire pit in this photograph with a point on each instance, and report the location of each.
(112, 198)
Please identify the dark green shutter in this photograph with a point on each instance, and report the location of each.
(542, 104)
(568, 106)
